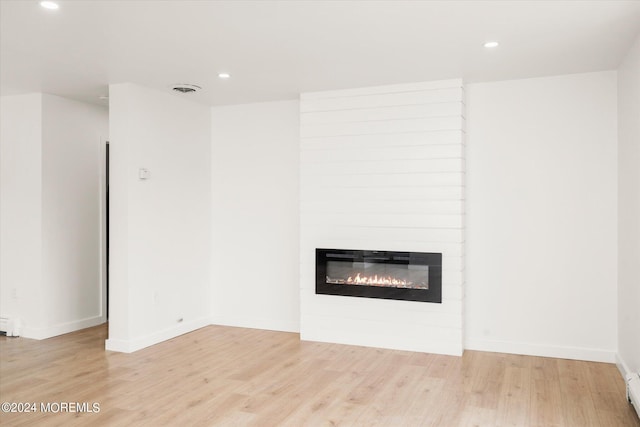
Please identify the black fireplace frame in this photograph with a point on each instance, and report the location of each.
(433, 260)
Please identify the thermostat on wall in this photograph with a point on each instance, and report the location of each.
(143, 173)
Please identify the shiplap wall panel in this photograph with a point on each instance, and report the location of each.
(405, 310)
(373, 219)
(383, 140)
(386, 326)
(384, 165)
(410, 316)
(416, 318)
(381, 127)
(387, 234)
(377, 180)
(421, 111)
(417, 97)
(383, 168)
(347, 155)
(398, 207)
(339, 194)
(397, 88)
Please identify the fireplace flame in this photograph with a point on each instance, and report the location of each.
(383, 281)
(376, 281)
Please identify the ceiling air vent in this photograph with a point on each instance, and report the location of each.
(185, 88)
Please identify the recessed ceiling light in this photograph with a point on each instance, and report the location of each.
(491, 44)
(224, 75)
(49, 5)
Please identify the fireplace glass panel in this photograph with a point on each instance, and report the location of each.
(367, 273)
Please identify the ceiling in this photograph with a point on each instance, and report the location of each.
(276, 49)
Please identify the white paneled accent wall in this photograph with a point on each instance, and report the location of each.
(382, 168)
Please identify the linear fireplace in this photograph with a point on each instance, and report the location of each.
(410, 276)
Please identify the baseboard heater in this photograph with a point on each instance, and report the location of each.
(10, 326)
(633, 391)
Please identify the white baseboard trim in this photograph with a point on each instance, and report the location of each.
(559, 352)
(61, 328)
(624, 369)
(135, 344)
(121, 346)
(265, 324)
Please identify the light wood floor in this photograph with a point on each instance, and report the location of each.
(222, 376)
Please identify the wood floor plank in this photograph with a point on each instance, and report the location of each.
(514, 407)
(224, 376)
(546, 394)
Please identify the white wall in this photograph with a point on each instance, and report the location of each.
(160, 228)
(629, 209)
(21, 209)
(51, 199)
(382, 168)
(255, 215)
(541, 216)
